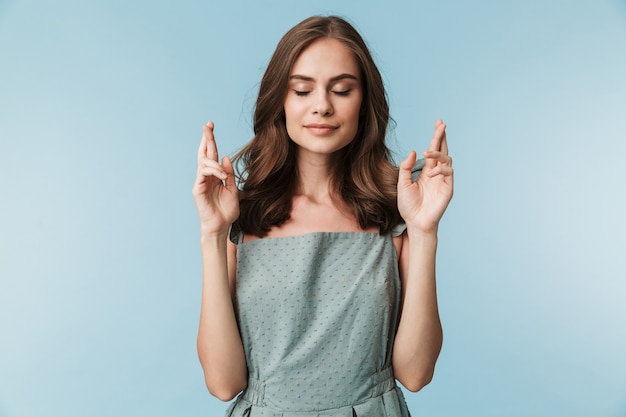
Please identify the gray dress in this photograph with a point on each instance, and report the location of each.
(318, 315)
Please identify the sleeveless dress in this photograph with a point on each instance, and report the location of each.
(318, 314)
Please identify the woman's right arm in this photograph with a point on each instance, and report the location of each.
(219, 344)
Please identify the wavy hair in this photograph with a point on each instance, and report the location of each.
(363, 173)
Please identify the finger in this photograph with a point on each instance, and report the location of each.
(212, 172)
(435, 142)
(444, 142)
(230, 172)
(211, 146)
(438, 156)
(404, 173)
(207, 162)
(202, 147)
(444, 170)
(212, 166)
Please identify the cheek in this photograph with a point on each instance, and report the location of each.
(354, 112)
(292, 119)
(292, 110)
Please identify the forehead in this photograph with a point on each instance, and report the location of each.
(326, 58)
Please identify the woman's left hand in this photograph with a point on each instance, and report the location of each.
(423, 202)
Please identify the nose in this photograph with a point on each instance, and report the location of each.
(322, 105)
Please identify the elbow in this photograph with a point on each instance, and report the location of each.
(224, 390)
(415, 371)
(415, 381)
(224, 380)
(223, 393)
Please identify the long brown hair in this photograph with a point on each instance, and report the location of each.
(364, 175)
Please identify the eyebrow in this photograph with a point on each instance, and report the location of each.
(333, 79)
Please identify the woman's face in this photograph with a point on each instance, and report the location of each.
(324, 98)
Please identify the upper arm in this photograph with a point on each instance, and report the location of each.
(231, 260)
(402, 249)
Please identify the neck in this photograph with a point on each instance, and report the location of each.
(314, 177)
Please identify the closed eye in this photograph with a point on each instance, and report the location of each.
(342, 93)
(301, 93)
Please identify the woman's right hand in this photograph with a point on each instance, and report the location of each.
(215, 191)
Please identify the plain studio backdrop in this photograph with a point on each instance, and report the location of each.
(101, 108)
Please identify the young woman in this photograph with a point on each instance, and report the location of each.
(319, 273)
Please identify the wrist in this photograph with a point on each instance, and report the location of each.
(423, 233)
(213, 236)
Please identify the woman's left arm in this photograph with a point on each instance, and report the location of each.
(421, 204)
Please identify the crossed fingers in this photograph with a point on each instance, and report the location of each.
(438, 162)
(208, 164)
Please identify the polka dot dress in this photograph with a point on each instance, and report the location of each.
(317, 315)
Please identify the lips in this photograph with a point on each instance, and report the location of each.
(321, 129)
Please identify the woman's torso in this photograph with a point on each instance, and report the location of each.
(317, 315)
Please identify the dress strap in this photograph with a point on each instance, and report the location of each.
(398, 229)
(417, 168)
(235, 234)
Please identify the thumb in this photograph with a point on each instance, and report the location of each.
(227, 166)
(404, 173)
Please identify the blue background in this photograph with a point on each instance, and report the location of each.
(101, 107)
